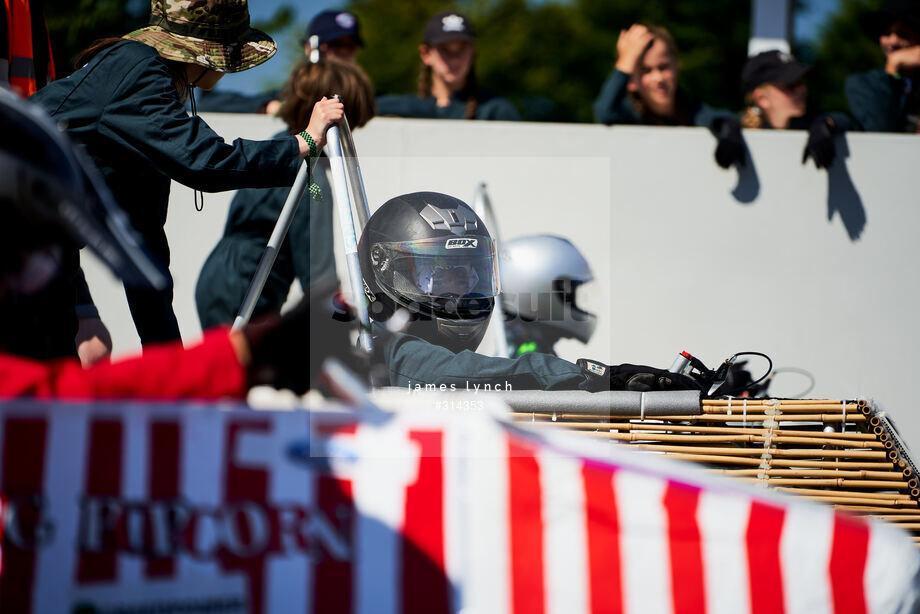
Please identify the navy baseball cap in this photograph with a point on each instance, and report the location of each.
(448, 26)
(772, 67)
(331, 25)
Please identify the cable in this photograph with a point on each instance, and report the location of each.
(799, 371)
(765, 375)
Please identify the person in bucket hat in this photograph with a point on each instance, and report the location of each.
(888, 99)
(126, 103)
(334, 33)
(212, 33)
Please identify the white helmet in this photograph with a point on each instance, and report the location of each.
(540, 277)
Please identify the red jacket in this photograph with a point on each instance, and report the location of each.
(209, 370)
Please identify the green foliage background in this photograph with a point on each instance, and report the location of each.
(550, 57)
(842, 48)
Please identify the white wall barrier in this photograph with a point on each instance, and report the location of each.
(814, 268)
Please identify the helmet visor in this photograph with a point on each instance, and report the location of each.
(427, 270)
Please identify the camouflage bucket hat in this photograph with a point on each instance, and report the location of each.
(212, 33)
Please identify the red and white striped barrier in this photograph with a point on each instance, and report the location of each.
(147, 508)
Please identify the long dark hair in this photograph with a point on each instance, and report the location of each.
(470, 90)
(176, 69)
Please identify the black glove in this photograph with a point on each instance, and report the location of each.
(730, 149)
(639, 378)
(820, 144)
(287, 351)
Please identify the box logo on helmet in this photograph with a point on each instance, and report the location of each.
(462, 244)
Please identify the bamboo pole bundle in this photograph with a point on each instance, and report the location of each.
(836, 452)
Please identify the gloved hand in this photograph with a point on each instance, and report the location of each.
(639, 378)
(820, 144)
(730, 149)
(287, 351)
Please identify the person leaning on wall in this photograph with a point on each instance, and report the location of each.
(50, 202)
(643, 89)
(331, 33)
(777, 98)
(447, 84)
(888, 99)
(126, 104)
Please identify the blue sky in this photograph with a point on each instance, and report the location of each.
(807, 24)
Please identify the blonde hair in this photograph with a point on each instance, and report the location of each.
(752, 116)
(309, 82)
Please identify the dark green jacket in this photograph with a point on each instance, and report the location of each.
(412, 361)
(410, 105)
(306, 253)
(124, 108)
(880, 102)
(613, 106)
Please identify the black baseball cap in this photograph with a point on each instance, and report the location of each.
(331, 25)
(772, 67)
(448, 26)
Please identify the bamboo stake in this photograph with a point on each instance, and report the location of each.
(874, 496)
(892, 476)
(772, 451)
(733, 439)
(642, 426)
(739, 405)
(872, 509)
(776, 462)
(783, 409)
(834, 482)
(754, 418)
(750, 418)
(737, 402)
(853, 500)
(900, 516)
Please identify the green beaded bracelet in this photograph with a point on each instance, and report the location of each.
(314, 151)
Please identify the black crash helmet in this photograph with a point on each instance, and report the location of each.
(430, 254)
(52, 198)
